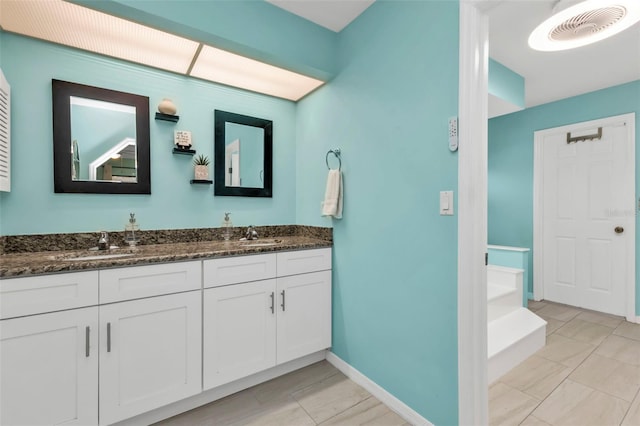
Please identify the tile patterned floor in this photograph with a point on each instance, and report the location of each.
(315, 395)
(587, 374)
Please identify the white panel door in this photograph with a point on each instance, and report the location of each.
(588, 190)
(150, 354)
(239, 331)
(304, 315)
(50, 369)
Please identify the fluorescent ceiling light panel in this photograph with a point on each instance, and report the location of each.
(76, 26)
(228, 68)
(584, 23)
(69, 24)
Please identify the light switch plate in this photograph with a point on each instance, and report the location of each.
(446, 203)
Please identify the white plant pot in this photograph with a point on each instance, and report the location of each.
(202, 172)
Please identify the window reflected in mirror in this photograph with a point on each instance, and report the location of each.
(244, 156)
(103, 142)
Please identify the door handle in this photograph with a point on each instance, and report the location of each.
(108, 337)
(87, 332)
(282, 293)
(618, 229)
(273, 303)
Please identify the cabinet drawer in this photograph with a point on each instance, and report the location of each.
(144, 281)
(233, 270)
(36, 295)
(303, 261)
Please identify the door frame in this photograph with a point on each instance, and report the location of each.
(473, 388)
(538, 206)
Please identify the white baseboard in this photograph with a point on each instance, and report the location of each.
(634, 319)
(402, 409)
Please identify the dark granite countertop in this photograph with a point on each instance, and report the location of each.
(48, 262)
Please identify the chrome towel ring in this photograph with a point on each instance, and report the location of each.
(336, 153)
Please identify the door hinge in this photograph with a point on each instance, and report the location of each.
(486, 259)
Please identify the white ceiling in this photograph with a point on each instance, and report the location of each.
(331, 14)
(549, 76)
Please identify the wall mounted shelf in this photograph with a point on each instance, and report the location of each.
(167, 117)
(184, 151)
(203, 181)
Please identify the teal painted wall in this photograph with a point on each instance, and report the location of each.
(395, 270)
(511, 161)
(250, 28)
(506, 84)
(29, 66)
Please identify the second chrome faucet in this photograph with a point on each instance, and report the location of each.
(251, 233)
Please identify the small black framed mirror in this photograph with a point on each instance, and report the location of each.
(243, 155)
(100, 140)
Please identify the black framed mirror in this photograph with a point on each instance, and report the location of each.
(100, 140)
(243, 155)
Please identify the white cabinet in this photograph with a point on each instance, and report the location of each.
(47, 293)
(241, 269)
(150, 354)
(105, 363)
(50, 369)
(304, 315)
(251, 326)
(303, 261)
(239, 331)
(98, 347)
(152, 280)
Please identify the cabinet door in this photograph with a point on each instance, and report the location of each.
(150, 354)
(304, 315)
(239, 331)
(50, 369)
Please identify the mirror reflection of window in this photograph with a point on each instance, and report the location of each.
(103, 136)
(244, 156)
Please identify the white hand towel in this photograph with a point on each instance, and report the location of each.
(332, 205)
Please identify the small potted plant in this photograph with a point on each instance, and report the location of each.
(201, 163)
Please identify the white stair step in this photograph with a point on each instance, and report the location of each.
(495, 291)
(501, 275)
(501, 301)
(513, 338)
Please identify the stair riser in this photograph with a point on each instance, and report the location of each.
(502, 305)
(499, 277)
(502, 362)
(495, 311)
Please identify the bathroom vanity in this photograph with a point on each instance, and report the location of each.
(162, 329)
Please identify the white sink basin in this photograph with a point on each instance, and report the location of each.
(98, 257)
(260, 243)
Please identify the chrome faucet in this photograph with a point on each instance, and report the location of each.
(251, 234)
(103, 242)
